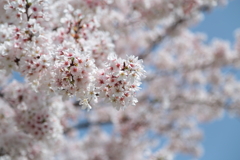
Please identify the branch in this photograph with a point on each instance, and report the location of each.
(171, 28)
(160, 38)
(28, 5)
(84, 125)
(2, 152)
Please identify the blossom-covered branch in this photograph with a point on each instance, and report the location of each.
(94, 54)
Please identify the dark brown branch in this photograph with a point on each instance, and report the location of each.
(160, 38)
(2, 152)
(85, 125)
(153, 44)
(1, 94)
(28, 5)
(168, 30)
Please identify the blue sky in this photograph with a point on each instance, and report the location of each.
(221, 137)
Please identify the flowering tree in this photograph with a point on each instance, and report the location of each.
(94, 54)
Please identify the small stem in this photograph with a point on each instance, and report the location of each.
(28, 5)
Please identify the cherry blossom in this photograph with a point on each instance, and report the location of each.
(129, 74)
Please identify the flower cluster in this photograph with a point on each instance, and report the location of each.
(120, 80)
(65, 61)
(35, 114)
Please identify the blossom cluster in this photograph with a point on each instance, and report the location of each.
(64, 61)
(120, 80)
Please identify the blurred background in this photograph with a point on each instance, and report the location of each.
(221, 137)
